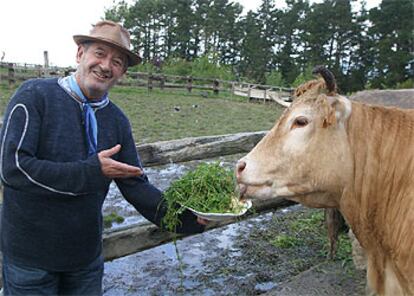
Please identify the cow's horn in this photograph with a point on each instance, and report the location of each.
(327, 76)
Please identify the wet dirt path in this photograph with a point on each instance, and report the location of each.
(238, 259)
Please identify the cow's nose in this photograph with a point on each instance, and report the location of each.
(241, 165)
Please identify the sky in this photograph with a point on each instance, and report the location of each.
(30, 27)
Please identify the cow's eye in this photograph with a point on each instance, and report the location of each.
(301, 121)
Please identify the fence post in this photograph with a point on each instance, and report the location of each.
(150, 82)
(189, 83)
(46, 63)
(249, 92)
(162, 82)
(11, 75)
(216, 85)
(265, 95)
(39, 70)
(2, 65)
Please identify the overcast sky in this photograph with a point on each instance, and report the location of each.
(29, 27)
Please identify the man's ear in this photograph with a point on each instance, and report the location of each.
(79, 53)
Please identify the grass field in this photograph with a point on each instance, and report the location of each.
(154, 116)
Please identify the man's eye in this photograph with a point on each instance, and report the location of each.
(118, 63)
(99, 53)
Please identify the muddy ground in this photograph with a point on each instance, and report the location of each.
(283, 252)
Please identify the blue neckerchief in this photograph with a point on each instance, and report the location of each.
(89, 119)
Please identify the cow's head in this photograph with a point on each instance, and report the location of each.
(306, 156)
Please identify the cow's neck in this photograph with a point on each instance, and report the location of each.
(378, 202)
(382, 143)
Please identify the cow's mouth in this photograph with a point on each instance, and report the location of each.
(254, 190)
(272, 190)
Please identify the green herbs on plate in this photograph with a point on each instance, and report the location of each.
(210, 188)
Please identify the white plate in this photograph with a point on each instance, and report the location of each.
(222, 216)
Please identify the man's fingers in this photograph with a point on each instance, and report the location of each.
(111, 151)
(115, 169)
(124, 168)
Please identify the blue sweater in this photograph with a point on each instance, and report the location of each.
(53, 192)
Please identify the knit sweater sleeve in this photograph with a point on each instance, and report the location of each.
(146, 198)
(23, 170)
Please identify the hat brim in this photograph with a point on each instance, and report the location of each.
(133, 58)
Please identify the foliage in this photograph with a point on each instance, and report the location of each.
(392, 34)
(285, 241)
(144, 67)
(409, 83)
(362, 47)
(6, 92)
(203, 67)
(303, 77)
(108, 220)
(209, 189)
(275, 78)
(177, 66)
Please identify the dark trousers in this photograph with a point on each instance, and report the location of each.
(24, 280)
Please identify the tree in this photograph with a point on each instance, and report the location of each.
(392, 27)
(289, 56)
(253, 51)
(361, 47)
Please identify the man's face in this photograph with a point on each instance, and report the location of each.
(100, 67)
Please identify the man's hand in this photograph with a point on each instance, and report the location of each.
(115, 169)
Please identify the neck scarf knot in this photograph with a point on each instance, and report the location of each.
(89, 119)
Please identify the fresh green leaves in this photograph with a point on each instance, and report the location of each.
(210, 188)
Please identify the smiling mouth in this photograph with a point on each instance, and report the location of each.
(101, 75)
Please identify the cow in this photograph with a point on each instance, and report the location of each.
(326, 151)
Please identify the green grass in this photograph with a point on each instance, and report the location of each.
(308, 229)
(285, 241)
(153, 117)
(108, 220)
(5, 94)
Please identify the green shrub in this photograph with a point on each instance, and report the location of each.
(409, 83)
(206, 68)
(275, 78)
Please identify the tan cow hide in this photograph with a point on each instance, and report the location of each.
(326, 151)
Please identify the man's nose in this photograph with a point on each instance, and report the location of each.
(105, 64)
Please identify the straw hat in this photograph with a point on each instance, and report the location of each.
(113, 34)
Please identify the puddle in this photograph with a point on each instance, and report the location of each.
(210, 265)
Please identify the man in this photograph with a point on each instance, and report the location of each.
(62, 143)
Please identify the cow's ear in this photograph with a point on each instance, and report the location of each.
(341, 106)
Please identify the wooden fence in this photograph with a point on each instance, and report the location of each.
(12, 73)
